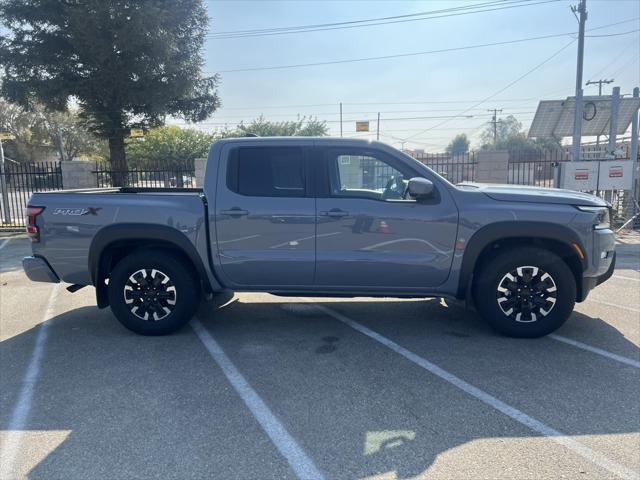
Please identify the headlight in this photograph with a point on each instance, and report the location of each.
(602, 220)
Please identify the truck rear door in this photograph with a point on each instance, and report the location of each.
(264, 218)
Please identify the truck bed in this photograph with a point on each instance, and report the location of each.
(73, 221)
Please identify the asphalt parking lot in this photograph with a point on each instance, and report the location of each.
(262, 387)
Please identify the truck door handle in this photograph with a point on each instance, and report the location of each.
(335, 213)
(234, 212)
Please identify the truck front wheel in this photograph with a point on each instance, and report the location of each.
(526, 292)
(153, 292)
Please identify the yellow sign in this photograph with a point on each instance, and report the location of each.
(362, 126)
(136, 132)
(6, 136)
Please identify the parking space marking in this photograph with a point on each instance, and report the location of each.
(512, 412)
(20, 414)
(621, 307)
(4, 243)
(596, 350)
(299, 461)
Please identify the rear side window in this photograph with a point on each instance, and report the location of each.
(267, 171)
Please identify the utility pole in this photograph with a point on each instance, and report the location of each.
(378, 129)
(495, 122)
(599, 83)
(340, 119)
(577, 118)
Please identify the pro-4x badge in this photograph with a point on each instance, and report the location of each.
(77, 211)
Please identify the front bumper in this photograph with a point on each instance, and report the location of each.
(589, 283)
(38, 270)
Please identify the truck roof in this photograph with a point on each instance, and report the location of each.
(353, 142)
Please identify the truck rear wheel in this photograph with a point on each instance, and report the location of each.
(153, 292)
(526, 292)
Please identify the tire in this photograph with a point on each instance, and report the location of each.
(525, 292)
(153, 292)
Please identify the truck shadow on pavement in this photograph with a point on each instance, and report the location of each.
(111, 404)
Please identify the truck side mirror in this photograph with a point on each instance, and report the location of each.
(420, 188)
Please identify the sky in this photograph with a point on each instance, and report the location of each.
(450, 86)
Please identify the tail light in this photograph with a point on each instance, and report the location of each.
(32, 229)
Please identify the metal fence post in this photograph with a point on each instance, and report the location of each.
(3, 185)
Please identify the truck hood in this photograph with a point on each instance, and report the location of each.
(521, 193)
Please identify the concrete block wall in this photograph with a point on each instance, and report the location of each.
(78, 174)
(492, 167)
(199, 171)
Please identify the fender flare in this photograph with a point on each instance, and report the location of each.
(511, 229)
(111, 234)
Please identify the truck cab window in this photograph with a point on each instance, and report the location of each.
(366, 176)
(267, 172)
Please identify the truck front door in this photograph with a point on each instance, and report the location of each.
(370, 235)
(264, 220)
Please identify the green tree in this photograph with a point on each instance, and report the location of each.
(511, 136)
(506, 128)
(39, 130)
(459, 145)
(71, 136)
(168, 144)
(126, 63)
(261, 127)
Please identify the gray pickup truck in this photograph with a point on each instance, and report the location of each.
(324, 217)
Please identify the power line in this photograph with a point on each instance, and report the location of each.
(315, 114)
(389, 20)
(335, 104)
(498, 92)
(353, 120)
(613, 34)
(618, 57)
(411, 54)
(392, 119)
(350, 22)
(399, 55)
(599, 83)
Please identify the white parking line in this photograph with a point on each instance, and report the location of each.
(599, 351)
(21, 410)
(621, 307)
(512, 412)
(299, 461)
(4, 243)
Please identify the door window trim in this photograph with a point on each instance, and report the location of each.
(327, 154)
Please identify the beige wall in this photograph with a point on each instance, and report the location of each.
(492, 167)
(78, 174)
